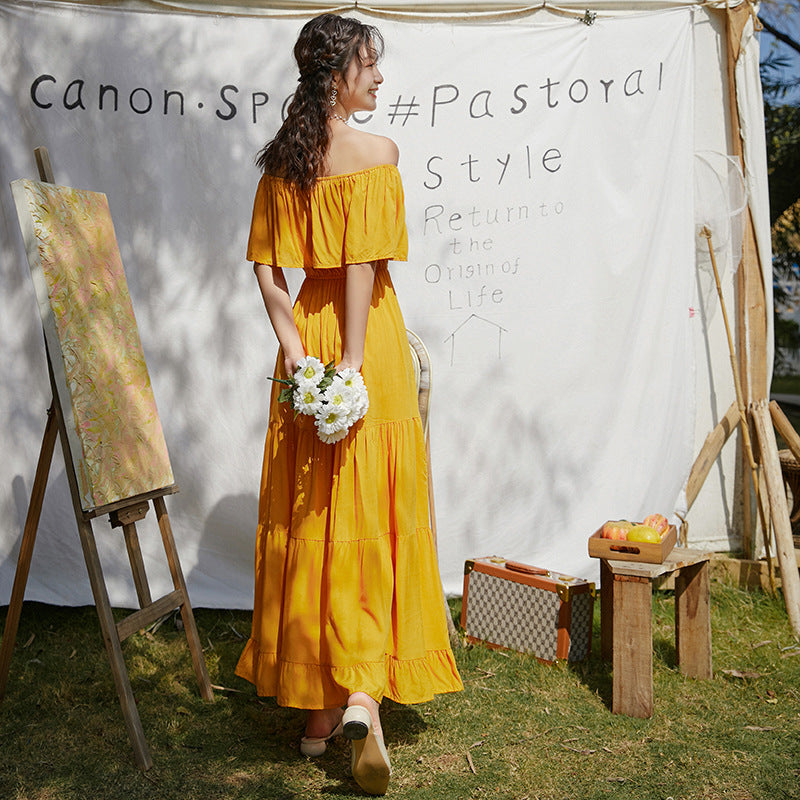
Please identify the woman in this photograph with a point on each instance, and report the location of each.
(348, 606)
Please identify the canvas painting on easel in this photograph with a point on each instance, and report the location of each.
(115, 435)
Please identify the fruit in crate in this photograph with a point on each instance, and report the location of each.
(644, 533)
(657, 521)
(616, 529)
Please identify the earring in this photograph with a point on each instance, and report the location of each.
(334, 93)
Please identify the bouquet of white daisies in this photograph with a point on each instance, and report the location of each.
(336, 400)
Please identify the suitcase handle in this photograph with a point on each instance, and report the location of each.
(518, 566)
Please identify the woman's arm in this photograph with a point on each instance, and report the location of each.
(275, 292)
(358, 296)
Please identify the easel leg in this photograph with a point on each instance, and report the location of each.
(26, 547)
(189, 625)
(137, 564)
(114, 648)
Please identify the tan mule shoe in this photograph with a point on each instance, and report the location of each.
(369, 761)
(314, 746)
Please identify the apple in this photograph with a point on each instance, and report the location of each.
(657, 521)
(616, 529)
(644, 533)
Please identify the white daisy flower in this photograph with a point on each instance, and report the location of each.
(351, 378)
(339, 395)
(332, 438)
(307, 399)
(309, 370)
(360, 406)
(332, 418)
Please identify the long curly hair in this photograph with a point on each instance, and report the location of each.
(326, 44)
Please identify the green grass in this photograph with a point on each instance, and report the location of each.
(786, 384)
(520, 729)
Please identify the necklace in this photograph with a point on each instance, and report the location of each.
(338, 116)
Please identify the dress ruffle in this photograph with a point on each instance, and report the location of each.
(345, 219)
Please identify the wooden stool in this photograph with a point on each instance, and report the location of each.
(626, 635)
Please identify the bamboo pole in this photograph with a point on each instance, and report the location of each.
(744, 422)
(751, 308)
(784, 545)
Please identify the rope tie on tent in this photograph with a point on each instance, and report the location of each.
(683, 533)
(751, 7)
(757, 25)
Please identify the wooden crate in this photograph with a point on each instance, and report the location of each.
(621, 550)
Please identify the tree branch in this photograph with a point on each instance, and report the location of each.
(780, 35)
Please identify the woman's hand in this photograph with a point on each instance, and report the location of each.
(290, 364)
(349, 363)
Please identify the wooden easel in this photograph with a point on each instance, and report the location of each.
(125, 514)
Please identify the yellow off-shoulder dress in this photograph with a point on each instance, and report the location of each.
(347, 591)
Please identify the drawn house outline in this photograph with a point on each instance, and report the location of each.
(499, 328)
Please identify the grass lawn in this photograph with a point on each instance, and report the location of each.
(520, 729)
(786, 384)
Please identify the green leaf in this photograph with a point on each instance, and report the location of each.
(330, 371)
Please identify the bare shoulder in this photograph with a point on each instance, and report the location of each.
(354, 150)
(385, 150)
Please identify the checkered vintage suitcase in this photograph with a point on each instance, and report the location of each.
(518, 607)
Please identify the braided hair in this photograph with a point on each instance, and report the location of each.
(326, 44)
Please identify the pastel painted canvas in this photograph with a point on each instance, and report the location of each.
(117, 443)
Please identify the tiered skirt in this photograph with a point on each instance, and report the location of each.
(347, 591)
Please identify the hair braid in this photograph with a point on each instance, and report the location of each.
(326, 44)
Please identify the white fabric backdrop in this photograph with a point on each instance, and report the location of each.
(548, 178)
